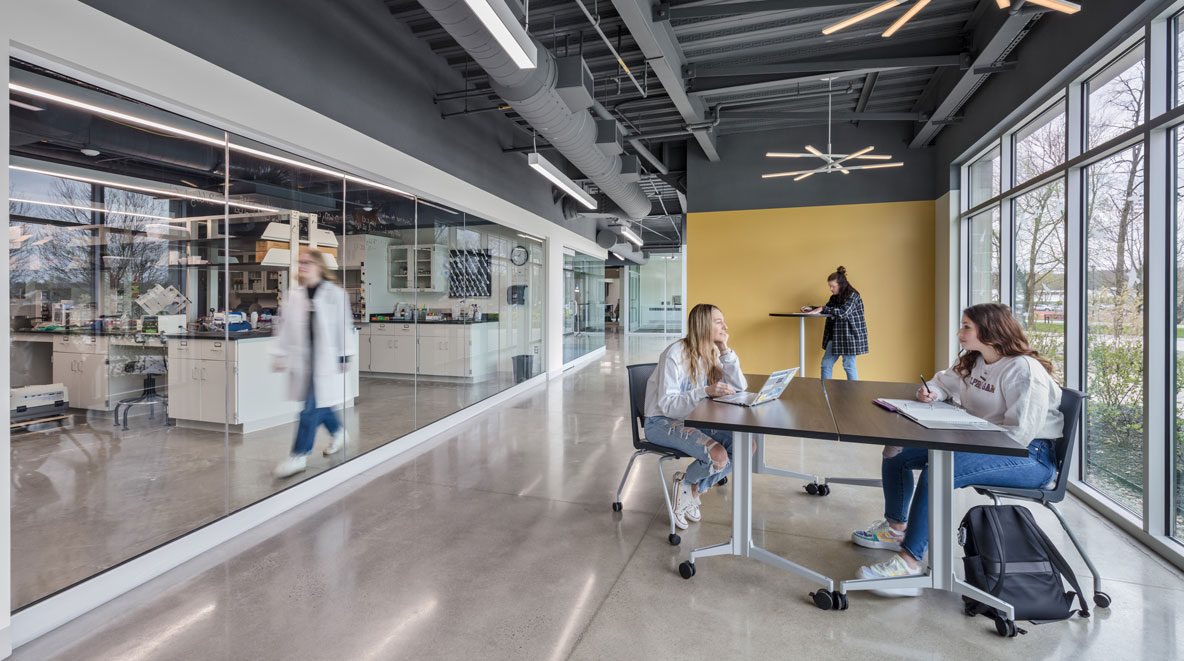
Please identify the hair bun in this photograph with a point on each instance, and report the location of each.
(841, 271)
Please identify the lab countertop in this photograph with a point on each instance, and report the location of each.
(195, 335)
(451, 322)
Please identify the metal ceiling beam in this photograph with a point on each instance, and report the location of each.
(960, 60)
(840, 116)
(996, 49)
(660, 47)
(783, 82)
(665, 12)
(865, 93)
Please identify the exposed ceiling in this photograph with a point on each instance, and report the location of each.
(750, 65)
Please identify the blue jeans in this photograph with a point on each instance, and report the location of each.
(671, 433)
(1031, 472)
(828, 365)
(310, 419)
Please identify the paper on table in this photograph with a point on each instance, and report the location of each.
(939, 415)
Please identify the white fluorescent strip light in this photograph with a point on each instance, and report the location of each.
(877, 165)
(140, 121)
(437, 206)
(26, 106)
(609, 252)
(905, 18)
(144, 189)
(630, 236)
(548, 170)
(1059, 5)
(803, 176)
(826, 157)
(847, 22)
(532, 238)
(503, 26)
(86, 208)
(784, 174)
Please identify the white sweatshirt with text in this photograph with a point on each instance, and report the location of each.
(1015, 392)
(670, 392)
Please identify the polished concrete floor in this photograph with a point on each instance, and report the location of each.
(497, 541)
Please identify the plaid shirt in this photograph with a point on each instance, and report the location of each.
(846, 328)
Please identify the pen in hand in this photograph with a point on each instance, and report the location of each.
(925, 385)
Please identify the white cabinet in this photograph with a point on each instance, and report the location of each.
(200, 372)
(85, 378)
(392, 348)
(417, 268)
(364, 348)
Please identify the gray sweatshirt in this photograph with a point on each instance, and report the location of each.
(1015, 393)
(670, 392)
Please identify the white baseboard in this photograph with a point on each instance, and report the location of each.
(590, 357)
(49, 614)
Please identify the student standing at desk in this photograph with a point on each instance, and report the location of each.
(998, 378)
(696, 367)
(846, 330)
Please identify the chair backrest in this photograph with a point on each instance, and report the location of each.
(639, 375)
(1071, 403)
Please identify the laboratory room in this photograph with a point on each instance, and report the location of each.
(152, 259)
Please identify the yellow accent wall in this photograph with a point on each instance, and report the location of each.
(751, 263)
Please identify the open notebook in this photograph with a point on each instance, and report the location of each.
(939, 415)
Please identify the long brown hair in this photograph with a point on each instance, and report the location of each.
(699, 347)
(845, 288)
(998, 329)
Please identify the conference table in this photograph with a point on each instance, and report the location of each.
(836, 410)
(801, 317)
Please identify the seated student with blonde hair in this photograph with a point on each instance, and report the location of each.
(696, 367)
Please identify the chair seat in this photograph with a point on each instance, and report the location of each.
(662, 449)
(1038, 495)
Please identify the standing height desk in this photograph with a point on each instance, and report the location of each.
(801, 411)
(802, 316)
(860, 421)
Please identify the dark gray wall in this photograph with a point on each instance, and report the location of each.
(350, 60)
(734, 182)
(1056, 49)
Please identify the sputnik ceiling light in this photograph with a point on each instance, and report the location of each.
(917, 5)
(832, 162)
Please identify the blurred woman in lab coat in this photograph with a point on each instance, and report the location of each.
(311, 348)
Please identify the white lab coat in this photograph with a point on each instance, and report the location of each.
(333, 355)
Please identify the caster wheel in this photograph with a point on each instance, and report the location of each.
(616, 507)
(1101, 600)
(686, 569)
(812, 489)
(823, 600)
(675, 540)
(1005, 628)
(841, 603)
(721, 482)
(823, 489)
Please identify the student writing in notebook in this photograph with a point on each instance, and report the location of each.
(999, 378)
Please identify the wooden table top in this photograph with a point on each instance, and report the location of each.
(797, 314)
(861, 421)
(800, 411)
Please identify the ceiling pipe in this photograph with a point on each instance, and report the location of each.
(532, 94)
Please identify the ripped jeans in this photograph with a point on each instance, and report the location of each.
(696, 443)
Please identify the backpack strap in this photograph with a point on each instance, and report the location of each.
(1058, 561)
(997, 530)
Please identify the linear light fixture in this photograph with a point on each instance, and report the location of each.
(1059, 5)
(143, 189)
(210, 140)
(631, 236)
(905, 17)
(42, 240)
(869, 157)
(548, 170)
(1003, 4)
(532, 238)
(863, 15)
(86, 208)
(496, 16)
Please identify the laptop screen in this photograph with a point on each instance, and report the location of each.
(775, 385)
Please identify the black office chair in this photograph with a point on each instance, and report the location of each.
(1071, 403)
(638, 376)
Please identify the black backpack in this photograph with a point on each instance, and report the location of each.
(1010, 557)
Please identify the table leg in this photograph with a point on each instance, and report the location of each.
(802, 346)
(764, 469)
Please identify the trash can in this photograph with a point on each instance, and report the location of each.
(522, 367)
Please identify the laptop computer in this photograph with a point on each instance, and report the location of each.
(768, 392)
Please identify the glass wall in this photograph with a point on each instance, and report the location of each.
(199, 321)
(656, 291)
(583, 304)
(1098, 273)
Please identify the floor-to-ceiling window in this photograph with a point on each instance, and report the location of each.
(1082, 226)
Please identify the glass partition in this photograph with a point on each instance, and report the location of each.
(200, 321)
(656, 295)
(583, 305)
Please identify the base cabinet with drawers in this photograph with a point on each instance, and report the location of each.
(454, 350)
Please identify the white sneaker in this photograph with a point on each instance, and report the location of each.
(290, 466)
(879, 535)
(692, 505)
(682, 495)
(337, 443)
(894, 567)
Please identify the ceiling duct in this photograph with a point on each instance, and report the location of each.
(533, 95)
